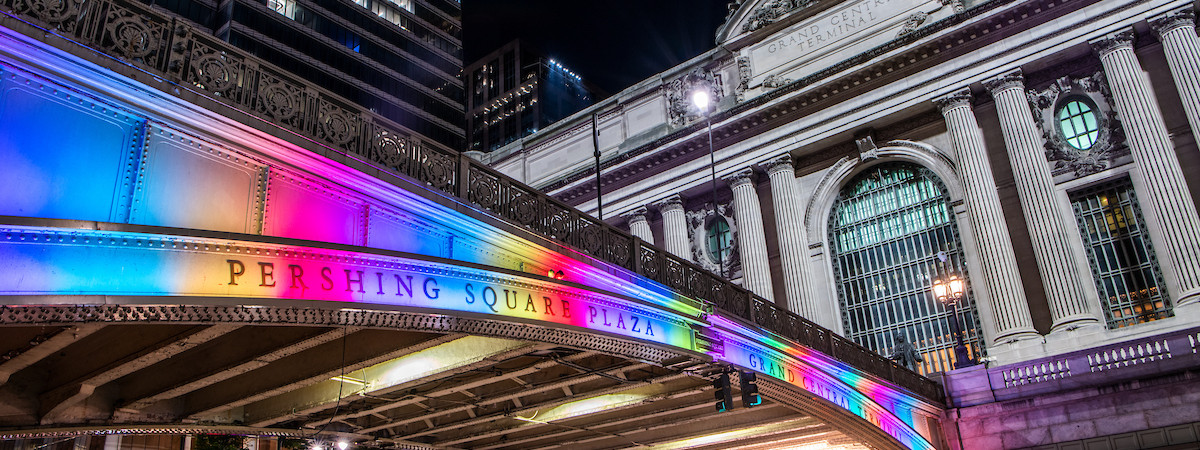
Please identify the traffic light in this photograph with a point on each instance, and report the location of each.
(723, 393)
(750, 395)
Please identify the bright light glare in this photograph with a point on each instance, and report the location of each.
(343, 445)
(700, 99)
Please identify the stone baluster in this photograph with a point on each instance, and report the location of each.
(1009, 318)
(675, 227)
(1070, 307)
(1177, 31)
(752, 239)
(793, 245)
(639, 226)
(1159, 169)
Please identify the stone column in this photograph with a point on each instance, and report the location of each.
(1008, 303)
(1177, 31)
(1158, 165)
(1048, 229)
(751, 238)
(675, 227)
(639, 226)
(793, 244)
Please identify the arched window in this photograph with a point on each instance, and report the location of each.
(887, 230)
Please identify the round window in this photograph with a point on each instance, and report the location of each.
(720, 242)
(1078, 123)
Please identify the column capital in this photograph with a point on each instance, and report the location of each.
(744, 177)
(1113, 42)
(672, 203)
(780, 164)
(1011, 80)
(1174, 20)
(956, 99)
(639, 214)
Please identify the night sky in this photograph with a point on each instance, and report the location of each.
(610, 43)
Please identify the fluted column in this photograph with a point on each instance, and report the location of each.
(1177, 31)
(793, 245)
(1049, 231)
(675, 227)
(639, 226)
(752, 240)
(1158, 166)
(1010, 310)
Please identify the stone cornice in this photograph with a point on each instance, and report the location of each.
(754, 116)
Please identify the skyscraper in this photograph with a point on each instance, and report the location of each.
(399, 58)
(517, 90)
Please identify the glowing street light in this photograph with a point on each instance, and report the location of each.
(700, 98)
(950, 292)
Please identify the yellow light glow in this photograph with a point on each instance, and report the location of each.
(727, 436)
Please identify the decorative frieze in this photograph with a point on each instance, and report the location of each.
(771, 12)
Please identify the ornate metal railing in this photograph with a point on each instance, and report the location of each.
(173, 50)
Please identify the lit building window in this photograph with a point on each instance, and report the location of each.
(389, 10)
(1121, 257)
(887, 229)
(719, 240)
(1078, 124)
(285, 7)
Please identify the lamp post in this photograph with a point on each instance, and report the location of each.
(950, 292)
(700, 98)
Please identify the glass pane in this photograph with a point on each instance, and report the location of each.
(898, 217)
(1122, 260)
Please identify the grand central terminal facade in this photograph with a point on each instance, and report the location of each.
(857, 153)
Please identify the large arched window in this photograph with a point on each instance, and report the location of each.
(889, 229)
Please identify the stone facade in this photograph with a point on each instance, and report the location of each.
(1061, 135)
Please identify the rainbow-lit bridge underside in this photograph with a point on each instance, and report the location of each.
(157, 203)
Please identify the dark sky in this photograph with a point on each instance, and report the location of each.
(611, 43)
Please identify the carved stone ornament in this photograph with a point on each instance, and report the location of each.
(744, 76)
(1184, 18)
(912, 23)
(956, 5)
(954, 100)
(770, 12)
(697, 225)
(1113, 42)
(1065, 158)
(867, 150)
(679, 95)
(775, 82)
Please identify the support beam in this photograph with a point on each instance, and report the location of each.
(528, 408)
(363, 349)
(59, 341)
(59, 400)
(235, 370)
(375, 411)
(504, 398)
(705, 404)
(453, 352)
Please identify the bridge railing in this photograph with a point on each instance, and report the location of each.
(171, 49)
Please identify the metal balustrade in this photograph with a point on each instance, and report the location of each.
(169, 48)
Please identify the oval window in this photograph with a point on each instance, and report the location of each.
(1078, 123)
(720, 243)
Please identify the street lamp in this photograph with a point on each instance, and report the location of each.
(700, 98)
(950, 292)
